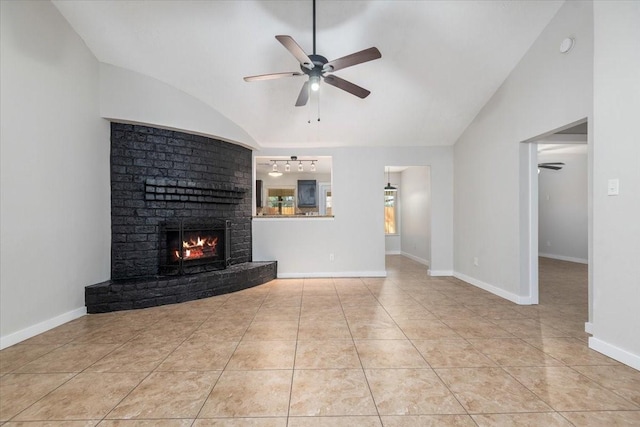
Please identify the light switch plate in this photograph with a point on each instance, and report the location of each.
(613, 188)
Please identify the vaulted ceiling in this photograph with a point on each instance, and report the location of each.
(441, 61)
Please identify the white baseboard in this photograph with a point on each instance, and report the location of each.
(588, 327)
(32, 331)
(438, 273)
(332, 274)
(415, 258)
(494, 289)
(393, 253)
(565, 258)
(614, 352)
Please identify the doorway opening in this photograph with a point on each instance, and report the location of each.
(555, 188)
(407, 212)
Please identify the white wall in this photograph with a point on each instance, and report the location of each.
(416, 213)
(616, 228)
(563, 204)
(130, 97)
(545, 91)
(355, 236)
(55, 213)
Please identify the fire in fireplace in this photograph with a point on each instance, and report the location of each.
(194, 246)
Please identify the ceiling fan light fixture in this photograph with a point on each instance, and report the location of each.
(315, 83)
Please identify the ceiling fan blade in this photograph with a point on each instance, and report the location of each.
(271, 76)
(346, 86)
(296, 50)
(304, 95)
(555, 168)
(353, 59)
(552, 163)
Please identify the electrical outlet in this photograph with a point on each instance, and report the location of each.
(475, 261)
(331, 257)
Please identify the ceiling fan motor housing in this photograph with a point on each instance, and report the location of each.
(318, 64)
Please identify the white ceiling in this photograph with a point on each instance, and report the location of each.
(441, 60)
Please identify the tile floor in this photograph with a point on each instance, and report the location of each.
(408, 350)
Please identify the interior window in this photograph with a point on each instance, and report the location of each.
(294, 185)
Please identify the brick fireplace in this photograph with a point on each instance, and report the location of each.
(164, 181)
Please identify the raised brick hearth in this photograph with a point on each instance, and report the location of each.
(132, 294)
(159, 177)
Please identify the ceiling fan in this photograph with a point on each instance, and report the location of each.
(556, 166)
(317, 67)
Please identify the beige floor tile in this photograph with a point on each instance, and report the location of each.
(452, 312)
(19, 391)
(167, 331)
(327, 354)
(278, 313)
(570, 351)
(425, 329)
(490, 390)
(12, 358)
(68, 358)
(567, 390)
(194, 355)
(476, 328)
(249, 394)
(604, 418)
(321, 314)
(215, 331)
(146, 423)
(375, 329)
(624, 380)
(58, 336)
(374, 313)
(330, 392)
(428, 421)
(513, 352)
(134, 357)
(323, 330)
(86, 396)
(343, 421)
(546, 419)
(495, 312)
(411, 392)
(451, 353)
(389, 354)
(251, 355)
(241, 422)
(66, 423)
(329, 384)
(110, 334)
(272, 331)
(530, 328)
(167, 395)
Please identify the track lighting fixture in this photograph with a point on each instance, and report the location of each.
(287, 165)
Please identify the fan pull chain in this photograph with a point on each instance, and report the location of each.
(318, 106)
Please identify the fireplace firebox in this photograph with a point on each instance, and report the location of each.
(194, 246)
